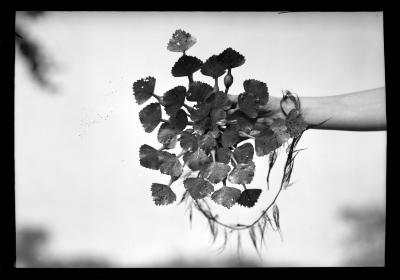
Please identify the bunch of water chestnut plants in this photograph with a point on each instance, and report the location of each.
(209, 125)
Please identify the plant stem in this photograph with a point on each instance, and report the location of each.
(190, 77)
(233, 159)
(216, 87)
(244, 134)
(181, 153)
(213, 155)
(231, 111)
(162, 148)
(188, 107)
(158, 98)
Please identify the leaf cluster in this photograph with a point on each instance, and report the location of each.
(210, 131)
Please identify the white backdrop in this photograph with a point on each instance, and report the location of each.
(76, 151)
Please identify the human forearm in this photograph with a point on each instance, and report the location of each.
(359, 111)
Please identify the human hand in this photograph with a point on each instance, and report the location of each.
(269, 112)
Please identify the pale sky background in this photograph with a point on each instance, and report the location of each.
(76, 151)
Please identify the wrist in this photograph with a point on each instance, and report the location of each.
(290, 102)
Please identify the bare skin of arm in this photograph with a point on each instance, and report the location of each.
(357, 111)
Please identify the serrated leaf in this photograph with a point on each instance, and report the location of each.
(188, 141)
(231, 58)
(244, 153)
(179, 120)
(230, 136)
(198, 188)
(226, 196)
(244, 123)
(280, 130)
(143, 89)
(213, 67)
(149, 157)
(181, 41)
(150, 116)
(198, 91)
(249, 197)
(174, 99)
(260, 126)
(215, 172)
(215, 133)
(295, 123)
(199, 111)
(207, 142)
(167, 135)
(162, 194)
(170, 164)
(266, 142)
(243, 173)
(223, 155)
(258, 89)
(217, 115)
(201, 126)
(248, 104)
(219, 99)
(186, 65)
(195, 160)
